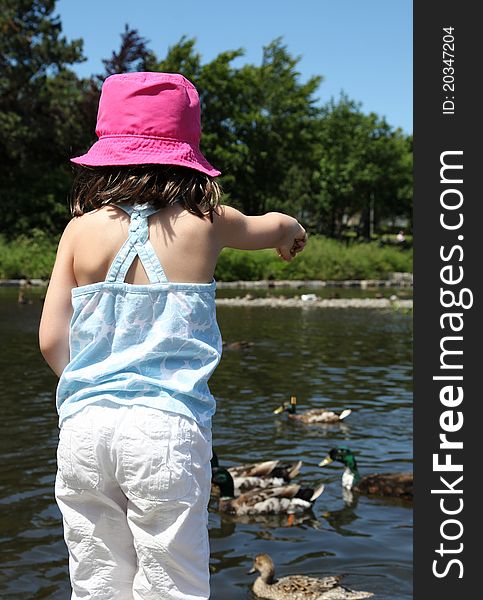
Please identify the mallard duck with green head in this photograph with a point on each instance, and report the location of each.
(290, 499)
(270, 473)
(298, 587)
(398, 485)
(313, 415)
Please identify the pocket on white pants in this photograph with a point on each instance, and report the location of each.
(156, 457)
(76, 458)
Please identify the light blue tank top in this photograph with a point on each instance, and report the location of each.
(155, 344)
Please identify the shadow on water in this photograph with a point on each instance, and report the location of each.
(358, 359)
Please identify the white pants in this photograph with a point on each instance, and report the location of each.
(133, 485)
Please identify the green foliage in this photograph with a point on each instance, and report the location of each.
(362, 164)
(38, 122)
(30, 256)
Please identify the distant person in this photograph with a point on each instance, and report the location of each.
(400, 237)
(129, 326)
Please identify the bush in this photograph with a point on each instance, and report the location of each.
(29, 257)
(323, 258)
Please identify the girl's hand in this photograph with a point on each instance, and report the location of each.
(287, 252)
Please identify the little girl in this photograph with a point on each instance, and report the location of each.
(129, 326)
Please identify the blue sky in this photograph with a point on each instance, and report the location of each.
(363, 47)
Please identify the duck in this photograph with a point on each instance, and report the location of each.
(270, 473)
(398, 485)
(298, 587)
(289, 499)
(313, 415)
(239, 345)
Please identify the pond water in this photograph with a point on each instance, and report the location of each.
(403, 293)
(347, 358)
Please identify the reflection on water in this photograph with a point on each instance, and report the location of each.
(358, 359)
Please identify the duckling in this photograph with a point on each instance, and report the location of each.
(377, 484)
(298, 587)
(260, 475)
(240, 345)
(314, 415)
(285, 499)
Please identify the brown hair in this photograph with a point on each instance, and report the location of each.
(159, 185)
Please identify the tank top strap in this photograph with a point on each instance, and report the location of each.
(137, 244)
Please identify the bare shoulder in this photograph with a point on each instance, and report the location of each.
(102, 215)
(226, 218)
(71, 231)
(227, 214)
(96, 219)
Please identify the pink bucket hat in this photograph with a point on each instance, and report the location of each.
(148, 118)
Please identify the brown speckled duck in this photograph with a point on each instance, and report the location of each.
(287, 499)
(313, 415)
(270, 473)
(298, 587)
(398, 485)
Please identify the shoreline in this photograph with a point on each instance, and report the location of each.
(402, 280)
(274, 302)
(299, 301)
(302, 301)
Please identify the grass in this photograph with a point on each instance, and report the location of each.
(33, 257)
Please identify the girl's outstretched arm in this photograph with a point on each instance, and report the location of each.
(57, 311)
(272, 230)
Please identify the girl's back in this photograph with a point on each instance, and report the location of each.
(153, 341)
(187, 246)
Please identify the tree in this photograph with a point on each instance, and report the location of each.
(181, 58)
(256, 123)
(277, 127)
(133, 54)
(38, 103)
(364, 168)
